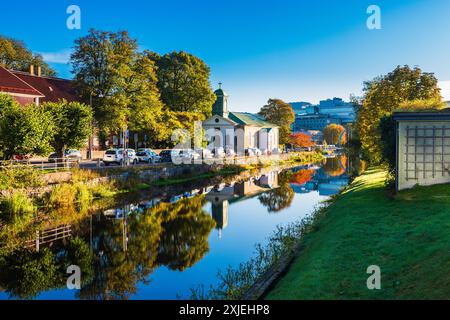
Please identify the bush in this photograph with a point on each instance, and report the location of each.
(84, 195)
(18, 177)
(105, 190)
(388, 145)
(63, 195)
(17, 209)
(79, 175)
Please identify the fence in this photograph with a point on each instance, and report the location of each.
(49, 236)
(57, 164)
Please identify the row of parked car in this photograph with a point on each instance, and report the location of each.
(117, 156)
(145, 155)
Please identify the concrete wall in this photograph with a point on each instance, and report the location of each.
(423, 154)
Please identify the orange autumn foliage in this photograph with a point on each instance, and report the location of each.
(302, 176)
(301, 140)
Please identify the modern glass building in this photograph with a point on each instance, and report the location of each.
(317, 117)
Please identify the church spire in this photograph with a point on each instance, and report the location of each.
(220, 107)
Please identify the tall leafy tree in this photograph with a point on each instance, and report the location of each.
(73, 124)
(280, 113)
(115, 77)
(301, 140)
(15, 55)
(183, 80)
(335, 134)
(25, 130)
(386, 93)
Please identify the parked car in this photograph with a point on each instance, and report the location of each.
(69, 155)
(253, 152)
(117, 156)
(148, 156)
(189, 155)
(219, 152)
(20, 157)
(229, 152)
(204, 153)
(165, 156)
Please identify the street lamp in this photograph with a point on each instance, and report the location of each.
(91, 138)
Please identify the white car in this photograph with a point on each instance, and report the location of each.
(184, 156)
(69, 156)
(253, 152)
(117, 156)
(148, 156)
(219, 152)
(230, 152)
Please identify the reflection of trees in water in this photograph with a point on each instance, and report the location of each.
(302, 176)
(281, 198)
(26, 273)
(174, 235)
(335, 167)
(185, 237)
(119, 263)
(126, 251)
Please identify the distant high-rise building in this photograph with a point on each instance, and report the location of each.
(317, 117)
(302, 107)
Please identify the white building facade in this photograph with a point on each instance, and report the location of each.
(239, 131)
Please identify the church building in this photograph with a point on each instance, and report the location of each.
(239, 131)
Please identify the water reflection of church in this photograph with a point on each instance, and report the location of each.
(223, 195)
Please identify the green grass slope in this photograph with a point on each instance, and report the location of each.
(407, 237)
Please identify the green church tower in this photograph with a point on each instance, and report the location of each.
(220, 107)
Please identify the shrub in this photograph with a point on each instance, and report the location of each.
(63, 195)
(84, 194)
(17, 177)
(17, 209)
(79, 175)
(104, 190)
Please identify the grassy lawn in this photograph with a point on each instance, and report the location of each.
(407, 237)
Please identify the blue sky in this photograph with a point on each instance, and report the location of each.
(296, 50)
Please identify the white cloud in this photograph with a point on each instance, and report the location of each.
(445, 89)
(61, 57)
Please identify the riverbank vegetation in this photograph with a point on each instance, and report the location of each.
(406, 236)
(28, 200)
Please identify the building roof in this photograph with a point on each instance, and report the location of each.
(220, 92)
(250, 119)
(10, 83)
(52, 89)
(443, 114)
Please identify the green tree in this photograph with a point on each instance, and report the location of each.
(335, 134)
(183, 81)
(16, 56)
(109, 69)
(73, 124)
(385, 94)
(280, 113)
(25, 130)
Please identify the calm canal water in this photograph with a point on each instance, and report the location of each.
(160, 248)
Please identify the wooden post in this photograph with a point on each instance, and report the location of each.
(37, 240)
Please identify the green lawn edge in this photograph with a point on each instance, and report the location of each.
(407, 236)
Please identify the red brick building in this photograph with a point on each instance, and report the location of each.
(29, 87)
